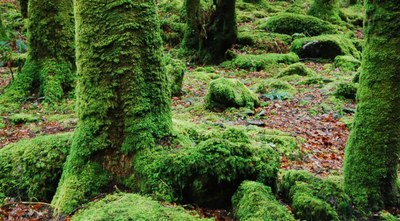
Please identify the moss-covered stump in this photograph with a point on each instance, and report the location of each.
(347, 63)
(373, 149)
(288, 23)
(255, 201)
(326, 10)
(50, 64)
(223, 93)
(276, 88)
(324, 46)
(315, 199)
(207, 174)
(127, 206)
(175, 69)
(30, 169)
(297, 69)
(259, 62)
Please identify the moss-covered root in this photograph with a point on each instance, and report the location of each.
(255, 201)
(127, 206)
(123, 99)
(326, 10)
(50, 62)
(223, 93)
(31, 169)
(372, 152)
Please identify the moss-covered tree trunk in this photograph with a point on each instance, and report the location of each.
(23, 4)
(327, 10)
(372, 152)
(210, 33)
(50, 63)
(123, 100)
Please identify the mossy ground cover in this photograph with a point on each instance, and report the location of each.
(308, 131)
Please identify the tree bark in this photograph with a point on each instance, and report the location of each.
(372, 152)
(23, 4)
(123, 100)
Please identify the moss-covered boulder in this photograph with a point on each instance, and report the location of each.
(255, 201)
(324, 46)
(327, 10)
(346, 90)
(223, 93)
(207, 174)
(127, 206)
(175, 69)
(276, 87)
(313, 198)
(259, 62)
(296, 69)
(289, 23)
(31, 169)
(270, 42)
(21, 118)
(347, 63)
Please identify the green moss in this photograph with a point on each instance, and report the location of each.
(175, 70)
(346, 90)
(386, 216)
(31, 169)
(259, 62)
(290, 178)
(324, 46)
(326, 10)
(223, 93)
(23, 118)
(372, 151)
(122, 108)
(3, 34)
(288, 23)
(270, 42)
(347, 63)
(274, 86)
(207, 174)
(296, 69)
(255, 201)
(127, 206)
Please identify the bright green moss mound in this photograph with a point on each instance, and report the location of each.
(175, 69)
(3, 34)
(315, 199)
(324, 46)
(224, 93)
(275, 86)
(259, 62)
(270, 42)
(127, 206)
(23, 118)
(297, 69)
(255, 201)
(347, 63)
(326, 10)
(288, 23)
(31, 169)
(207, 174)
(346, 90)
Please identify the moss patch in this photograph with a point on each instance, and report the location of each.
(223, 93)
(297, 69)
(276, 86)
(23, 118)
(127, 206)
(175, 69)
(259, 62)
(255, 201)
(347, 63)
(31, 169)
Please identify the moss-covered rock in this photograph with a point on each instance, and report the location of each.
(327, 10)
(207, 174)
(223, 93)
(259, 62)
(31, 169)
(347, 63)
(275, 86)
(175, 69)
(288, 23)
(324, 46)
(290, 178)
(23, 118)
(282, 142)
(255, 201)
(127, 206)
(297, 69)
(267, 42)
(346, 90)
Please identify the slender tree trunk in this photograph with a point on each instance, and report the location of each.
(23, 4)
(50, 63)
(372, 152)
(123, 100)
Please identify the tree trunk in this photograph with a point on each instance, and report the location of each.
(372, 152)
(23, 4)
(123, 100)
(210, 33)
(3, 34)
(327, 10)
(50, 63)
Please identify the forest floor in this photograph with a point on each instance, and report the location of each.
(313, 115)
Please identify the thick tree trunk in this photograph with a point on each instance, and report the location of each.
(50, 63)
(123, 100)
(372, 152)
(207, 39)
(327, 10)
